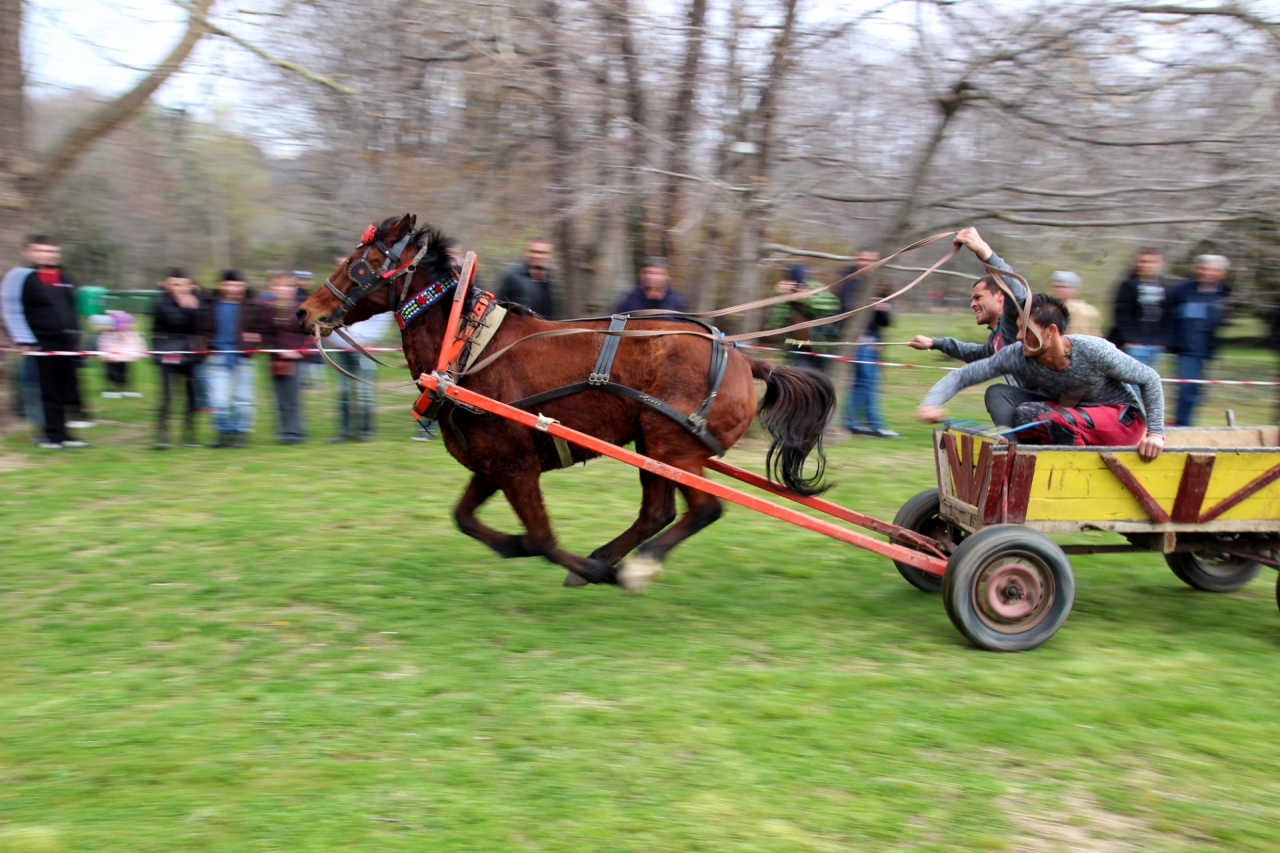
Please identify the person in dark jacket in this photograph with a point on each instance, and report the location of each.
(282, 302)
(851, 291)
(529, 283)
(176, 329)
(48, 304)
(864, 393)
(231, 321)
(653, 291)
(1141, 323)
(1196, 308)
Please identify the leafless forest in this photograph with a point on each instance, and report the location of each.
(721, 133)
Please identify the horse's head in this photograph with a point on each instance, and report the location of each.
(366, 282)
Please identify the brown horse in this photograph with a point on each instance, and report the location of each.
(503, 455)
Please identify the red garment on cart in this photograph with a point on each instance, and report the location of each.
(1095, 426)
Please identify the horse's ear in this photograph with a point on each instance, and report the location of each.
(405, 225)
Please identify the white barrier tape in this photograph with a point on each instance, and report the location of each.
(92, 353)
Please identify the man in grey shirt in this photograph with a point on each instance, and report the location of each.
(991, 308)
(1084, 382)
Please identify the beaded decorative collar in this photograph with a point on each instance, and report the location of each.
(423, 300)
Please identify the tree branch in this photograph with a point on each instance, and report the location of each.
(67, 150)
(198, 16)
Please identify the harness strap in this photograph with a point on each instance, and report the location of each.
(608, 349)
(719, 359)
(686, 421)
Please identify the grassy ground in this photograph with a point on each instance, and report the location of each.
(290, 648)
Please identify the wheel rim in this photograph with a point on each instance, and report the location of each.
(1014, 592)
(1222, 565)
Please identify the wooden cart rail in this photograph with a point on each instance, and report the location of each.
(1205, 489)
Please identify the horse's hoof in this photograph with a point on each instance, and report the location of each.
(638, 572)
(575, 579)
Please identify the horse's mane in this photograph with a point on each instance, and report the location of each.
(436, 260)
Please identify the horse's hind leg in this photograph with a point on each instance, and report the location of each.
(479, 490)
(636, 573)
(525, 496)
(657, 510)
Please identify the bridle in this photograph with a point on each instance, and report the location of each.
(367, 280)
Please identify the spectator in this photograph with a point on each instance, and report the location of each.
(850, 293)
(1076, 388)
(864, 394)
(48, 305)
(120, 345)
(314, 372)
(529, 283)
(175, 333)
(233, 320)
(1085, 319)
(282, 303)
(25, 390)
(653, 291)
(812, 307)
(356, 399)
(991, 309)
(1196, 308)
(1141, 323)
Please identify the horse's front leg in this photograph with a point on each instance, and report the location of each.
(525, 495)
(479, 490)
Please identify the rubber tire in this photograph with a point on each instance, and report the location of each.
(915, 515)
(1189, 568)
(965, 567)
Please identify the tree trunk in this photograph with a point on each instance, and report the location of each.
(678, 128)
(560, 117)
(617, 19)
(13, 129)
(747, 284)
(949, 105)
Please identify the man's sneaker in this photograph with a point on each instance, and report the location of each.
(79, 424)
(160, 444)
(137, 394)
(111, 395)
(884, 433)
(74, 443)
(49, 445)
(858, 430)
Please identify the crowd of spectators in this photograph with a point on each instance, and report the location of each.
(204, 339)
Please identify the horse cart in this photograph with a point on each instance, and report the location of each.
(1210, 503)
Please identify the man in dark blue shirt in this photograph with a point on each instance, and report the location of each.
(653, 290)
(1196, 308)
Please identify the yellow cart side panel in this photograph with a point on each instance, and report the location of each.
(1078, 485)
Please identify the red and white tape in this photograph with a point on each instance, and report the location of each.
(843, 358)
(851, 360)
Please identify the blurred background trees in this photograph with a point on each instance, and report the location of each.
(714, 132)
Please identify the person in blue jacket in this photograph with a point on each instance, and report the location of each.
(1196, 308)
(653, 290)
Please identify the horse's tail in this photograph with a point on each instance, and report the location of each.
(796, 407)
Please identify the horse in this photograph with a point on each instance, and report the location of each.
(505, 456)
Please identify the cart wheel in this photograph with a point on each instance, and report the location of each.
(921, 514)
(1212, 572)
(1008, 589)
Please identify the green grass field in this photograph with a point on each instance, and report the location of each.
(291, 649)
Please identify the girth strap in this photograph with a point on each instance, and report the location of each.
(608, 349)
(699, 429)
(719, 358)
